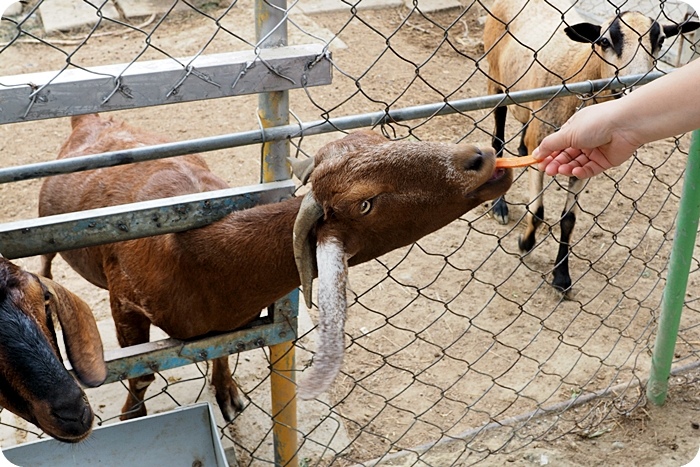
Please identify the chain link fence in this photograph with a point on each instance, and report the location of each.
(458, 350)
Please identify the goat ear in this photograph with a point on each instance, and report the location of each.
(583, 32)
(302, 169)
(80, 334)
(332, 305)
(673, 29)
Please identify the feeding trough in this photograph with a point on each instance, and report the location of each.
(185, 436)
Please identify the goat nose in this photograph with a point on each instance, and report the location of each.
(87, 416)
(73, 407)
(475, 162)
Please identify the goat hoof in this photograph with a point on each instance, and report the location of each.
(231, 403)
(563, 286)
(134, 412)
(527, 244)
(499, 209)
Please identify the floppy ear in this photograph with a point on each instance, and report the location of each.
(80, 334)
(332, 308)
(583, 32)
(673, 29)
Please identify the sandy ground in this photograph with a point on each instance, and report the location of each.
(456, 331)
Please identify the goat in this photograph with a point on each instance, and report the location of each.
(34, 384)
(369, 197)
(533, 43)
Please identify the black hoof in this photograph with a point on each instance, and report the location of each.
(562, 284)
(526, 244)
(499, 209)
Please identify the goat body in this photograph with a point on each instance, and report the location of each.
(536, 43)
(371, 196)
(34, 384)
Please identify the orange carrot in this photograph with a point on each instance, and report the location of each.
(513, 162)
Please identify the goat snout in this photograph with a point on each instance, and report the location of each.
(74, 425)
(73, 410)
(69, 424)
(69, 418)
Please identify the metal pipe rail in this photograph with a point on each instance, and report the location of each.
(279, 133)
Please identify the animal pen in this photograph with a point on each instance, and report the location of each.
(458, 350)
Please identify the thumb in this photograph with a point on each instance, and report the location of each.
(553, 144)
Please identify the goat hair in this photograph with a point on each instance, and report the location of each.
(369, 196)
(34, 384)
(535, 43)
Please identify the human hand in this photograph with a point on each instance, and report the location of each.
(592, 141)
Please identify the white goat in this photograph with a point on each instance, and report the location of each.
(369, 197)
(536, 43)
(33, 381)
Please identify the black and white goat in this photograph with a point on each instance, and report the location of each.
(535, 43)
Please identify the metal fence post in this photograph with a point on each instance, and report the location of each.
(273, 107)
(679, 268)
(273, 110)
(284, 406)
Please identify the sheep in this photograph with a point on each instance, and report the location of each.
(34, 384)
(369, 197)
(532, 43)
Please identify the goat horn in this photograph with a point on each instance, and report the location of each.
(302, 168)
(309, 212)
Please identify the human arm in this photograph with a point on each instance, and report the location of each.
(607, 134)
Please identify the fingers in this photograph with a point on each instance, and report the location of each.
(572, 163)
(561, 162)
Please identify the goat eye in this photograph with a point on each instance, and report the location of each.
(604, 42)
(366, 206)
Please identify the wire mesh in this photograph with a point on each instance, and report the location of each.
(457, 345)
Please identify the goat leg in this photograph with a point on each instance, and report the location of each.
(134, 407)
(562, 277)
(499, 207)
(535, 211)
(132, 328)
(228, 395)
(46, 265)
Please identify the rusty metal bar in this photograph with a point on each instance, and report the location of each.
(145, 359)
(129, 221)
(75, 91)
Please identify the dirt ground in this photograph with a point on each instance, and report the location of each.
(458, 330)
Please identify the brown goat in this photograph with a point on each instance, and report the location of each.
(33, 381)
(369, 197)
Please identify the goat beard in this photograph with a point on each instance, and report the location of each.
(332, 303)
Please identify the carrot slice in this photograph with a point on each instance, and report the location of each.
(513, 162)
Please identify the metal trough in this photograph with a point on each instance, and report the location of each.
(186, 436)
